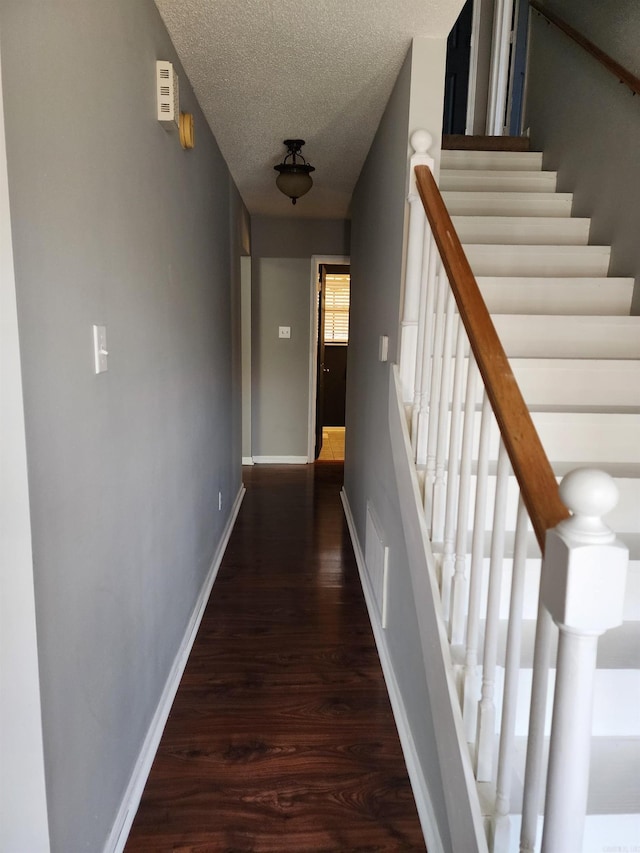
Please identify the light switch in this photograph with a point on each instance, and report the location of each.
(100, 351)
(284, 331)
(383, 350)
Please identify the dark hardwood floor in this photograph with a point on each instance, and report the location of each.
(281, 738)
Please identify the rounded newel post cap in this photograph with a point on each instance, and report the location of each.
(421, 141)
(589, 494)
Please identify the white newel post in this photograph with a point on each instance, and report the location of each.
(420, 142)
(583, 583)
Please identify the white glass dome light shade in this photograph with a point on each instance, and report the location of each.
(294, 179)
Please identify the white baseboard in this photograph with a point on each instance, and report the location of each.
(280, 460)
(419, 786)
(247, 460)
(131, 800)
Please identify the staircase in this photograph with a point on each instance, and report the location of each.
(575, 352)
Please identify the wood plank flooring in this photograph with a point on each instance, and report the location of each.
(281, 737)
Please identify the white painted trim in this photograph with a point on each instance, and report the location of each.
(426, 812)
(474, 54)
(499, 75)
(280, 460)
(23, 797)
(131, 800)
(316, 260)
(247, 460)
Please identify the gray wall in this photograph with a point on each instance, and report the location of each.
(280, 366)
(113, 223)
(588, 124)
(281, 295)
(376, 286)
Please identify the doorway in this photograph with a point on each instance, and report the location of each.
(332, 319)
(456, 85)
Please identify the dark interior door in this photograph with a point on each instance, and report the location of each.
(456, 85)
(335, 385)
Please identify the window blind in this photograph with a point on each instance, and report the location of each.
(336, 309)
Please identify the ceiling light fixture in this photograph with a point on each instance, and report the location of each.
(294, 179)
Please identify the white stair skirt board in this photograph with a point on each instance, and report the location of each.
(419, 786)
(549, 295)
(131, 800)
(376, 558)
(479, 203)
(523, 230)
(566, 337)
(280, 460)
(498, 181)
(505, 160)
(526, 260)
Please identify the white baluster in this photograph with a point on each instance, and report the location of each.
(422, 428)
(459, 584)
(452, 472)
(533, 781)
(501, 823)
(428, 250)
(471, 689)
(420, 141)
(487, 708)
(583, 582)
(439, 493)
(434, 396)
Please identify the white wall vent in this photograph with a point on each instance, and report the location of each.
(376, 558)
(167, 94)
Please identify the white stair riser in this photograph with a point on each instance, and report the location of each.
(624, 518)
(515, 295)
(498, 260)
(511, 160)
(579, 439)
(570, 383)
(478, 203)
(611, 717)
(497, 181)
(532, 585)
(538, 230)
(539, 336)
(602, 832)
(574, 384)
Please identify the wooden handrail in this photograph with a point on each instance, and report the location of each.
(624, 76)
(528, 459)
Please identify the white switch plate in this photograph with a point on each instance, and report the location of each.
(100, 351)
(383, 351)
(284, 331)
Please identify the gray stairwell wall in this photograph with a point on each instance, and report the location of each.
(376, 288)
(588, 124)
(114, 223)
(282, 249)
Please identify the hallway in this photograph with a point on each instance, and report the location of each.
(281, 737)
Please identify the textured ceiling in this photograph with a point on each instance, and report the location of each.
(268, 70)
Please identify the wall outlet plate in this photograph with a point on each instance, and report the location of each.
(284, 331)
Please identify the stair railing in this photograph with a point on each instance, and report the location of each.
(473, 442)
